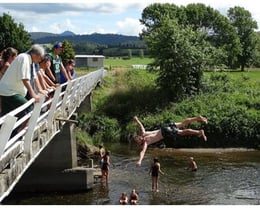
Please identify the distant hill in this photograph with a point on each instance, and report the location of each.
(39, 35)
(67, 33)
(96, 38)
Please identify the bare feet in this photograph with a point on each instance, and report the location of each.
(203, 119)
(203, 135)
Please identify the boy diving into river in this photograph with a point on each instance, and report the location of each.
(169, 130)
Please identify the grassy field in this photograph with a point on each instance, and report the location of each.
(119, 62)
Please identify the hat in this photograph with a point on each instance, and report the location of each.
(58, 45)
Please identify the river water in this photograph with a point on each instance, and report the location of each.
(224, 177)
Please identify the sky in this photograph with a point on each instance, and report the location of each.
(100, 16)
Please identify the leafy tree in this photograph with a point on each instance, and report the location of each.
(242, 20)
(129, 53)
(179, 54)
(141, 53)
(155, 13)
(256, 57)
(13, 34)
(68, 52)
(220, 33)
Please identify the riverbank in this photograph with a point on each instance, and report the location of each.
(229, 100)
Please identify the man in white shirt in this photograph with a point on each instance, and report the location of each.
(15, 83)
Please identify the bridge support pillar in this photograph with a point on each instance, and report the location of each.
(86, 104)
(56, 168)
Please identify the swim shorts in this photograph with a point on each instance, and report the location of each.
(169, 130)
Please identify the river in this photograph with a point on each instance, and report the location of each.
(224, 177)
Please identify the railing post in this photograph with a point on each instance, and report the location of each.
(5, 131)
(31, 126)
(53, 107)
(65, 99)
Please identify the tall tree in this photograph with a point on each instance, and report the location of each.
(68, 52)
(178, 54)
(220, 33)
(13, 34)
(242, 20)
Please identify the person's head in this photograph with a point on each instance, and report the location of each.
(155, 160)
(70, 64)
(191, 159)
(9, 54)
(123, 194)
(100, 146)
(37, 53)
(133, 191)
(57, 48)
(139, 140)
(45, 62)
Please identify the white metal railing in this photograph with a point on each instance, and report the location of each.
(42, 123)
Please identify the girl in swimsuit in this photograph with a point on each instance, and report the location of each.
(155, 170)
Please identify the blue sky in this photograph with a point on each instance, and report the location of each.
(100, 16)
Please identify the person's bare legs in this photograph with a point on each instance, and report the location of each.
(187, 132)
(187, 121)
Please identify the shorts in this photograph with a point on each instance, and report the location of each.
(10, 103)
(169, 130)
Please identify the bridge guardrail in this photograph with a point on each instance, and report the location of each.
(43, 123)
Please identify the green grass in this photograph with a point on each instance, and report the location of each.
(230, 101)
(126, 63)
(252, 75)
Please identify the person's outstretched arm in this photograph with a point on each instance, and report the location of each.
(141, 156)
(140, 125)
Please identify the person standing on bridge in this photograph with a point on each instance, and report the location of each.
(7, 57)
(70, 71)
(17, 80)
(169, 130)
(57, 65)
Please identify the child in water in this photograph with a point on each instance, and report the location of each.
(154, 172)
(123, 199)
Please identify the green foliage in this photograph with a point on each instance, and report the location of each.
(67, 52)
(115, 62)
(13, 34)
(242, 20)
(100, 128)
(129, 53)
(229, 100)
(178, 53)
(83, 139)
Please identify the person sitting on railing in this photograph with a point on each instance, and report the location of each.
(17, 80)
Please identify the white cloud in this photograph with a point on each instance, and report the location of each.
(113, 16)
(129, 26)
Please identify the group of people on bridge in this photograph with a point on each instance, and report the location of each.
(27, 75)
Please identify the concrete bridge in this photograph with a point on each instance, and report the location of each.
(42, 156)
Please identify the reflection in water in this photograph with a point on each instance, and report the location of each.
(223, 178)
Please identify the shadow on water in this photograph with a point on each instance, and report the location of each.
(224, 177)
